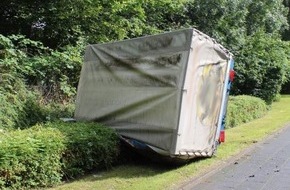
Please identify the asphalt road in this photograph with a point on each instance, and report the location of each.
(264, 167)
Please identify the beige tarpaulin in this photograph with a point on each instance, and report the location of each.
(164, 90)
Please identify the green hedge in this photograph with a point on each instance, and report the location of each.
(30, 158)
(242, 109)
(42, 156)
(89, 146)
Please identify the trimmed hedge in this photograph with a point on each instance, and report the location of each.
(30, 158)
(42, 156)
(89, 146)
(242, 109)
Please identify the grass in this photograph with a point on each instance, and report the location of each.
(143, 176)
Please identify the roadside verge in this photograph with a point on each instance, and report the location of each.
(143, 176)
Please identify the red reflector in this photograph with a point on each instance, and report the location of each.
(222, 136)
(232, 75)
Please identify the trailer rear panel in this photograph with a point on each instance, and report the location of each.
(165, 91)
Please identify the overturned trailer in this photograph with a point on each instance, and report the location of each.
(166, 92)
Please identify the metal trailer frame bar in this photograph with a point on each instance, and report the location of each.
(222, 115)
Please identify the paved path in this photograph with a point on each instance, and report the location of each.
(266, 167)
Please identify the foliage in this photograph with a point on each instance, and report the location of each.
(231, 21)
(53, 73)
(22, 107)
(30, 158)
(225, 19)
(19, 106)
(270, 16)
(59, 23)
(12, 93)
(286, 33)
(42, 156)
(286, 86)
(165, 15)
(242, 109)
(88, 146)
(249, 29)
(56, 74)
(54, 111)
(261, 67)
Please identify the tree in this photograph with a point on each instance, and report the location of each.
(230, 21)
(286, 33)
(165, 15)
(233, 23)
(269, 15)
(59, 23)
(262, 66)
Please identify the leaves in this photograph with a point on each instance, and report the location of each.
(30, 158)
(242, 109)
(88, 146)
(261, 66)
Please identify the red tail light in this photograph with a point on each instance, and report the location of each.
(232, 75)
(222, 136)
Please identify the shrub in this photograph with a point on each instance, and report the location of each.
(54, 111)
(12, 93)
(89, 146)
(286, 86)
(261, 67)
(19, 108)
(30, 158)
(54, 73)
(242, 109)
(25, 109)
(7, 113)
(33, 112)
(42, 156)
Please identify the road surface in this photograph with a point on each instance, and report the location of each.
(265, 167)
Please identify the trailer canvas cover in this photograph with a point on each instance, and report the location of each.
(165, 90)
